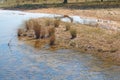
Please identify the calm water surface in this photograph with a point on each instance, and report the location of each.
(23, 62)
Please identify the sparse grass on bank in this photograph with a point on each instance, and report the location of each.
(56, 23)
(73, 33)
(19, 32)
(37, 30)
(71, 5)
(68, 26)
(94, 40)
(52, 39)
(51, 31)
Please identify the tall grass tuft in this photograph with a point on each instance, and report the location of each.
(43, 32)
(73, 33)
(37, 30)
(52, 40)
(51, 31)
(29, 24)
(47, 22)
(56, 23)
(51, 35)
(67, 26)
(20, 32)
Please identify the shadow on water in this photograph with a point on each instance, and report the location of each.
(27, 63)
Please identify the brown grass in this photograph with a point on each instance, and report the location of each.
(109, 14)
(67, 25)
(48, 22)
(37, 29)
(21, 32)
(29, 24)
(51, 31)
(43, 32)
(52, 40)
(100, 42)
(56, 23)
(73, 33)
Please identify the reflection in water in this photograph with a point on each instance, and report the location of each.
(37, 44)
(27, 63)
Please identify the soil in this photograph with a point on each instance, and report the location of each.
(107, 14)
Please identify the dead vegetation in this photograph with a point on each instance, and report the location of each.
(56, 23)
(97, 41)
(35, 28)
(73, 33)
(67, 25)
(20, 31)
(51, 31)
(52, 39)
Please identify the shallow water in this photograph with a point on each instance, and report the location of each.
(20, 61)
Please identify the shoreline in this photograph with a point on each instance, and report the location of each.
(92, 40)
(107, 14)
(103, 16)
(97, 48)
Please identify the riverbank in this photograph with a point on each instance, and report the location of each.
(97, 41)
(18, 60)
(108, 10)
(93, 40)
(107, 14)
(104, 45)
(104, 17)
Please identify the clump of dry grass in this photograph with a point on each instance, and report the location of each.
(51, 31)
(67, 26)
(37, 30)
(73, 33)
(51, 35)
(20, 32)
(95, 40)
(29, 24)
(43, 33)
(52, 40)
(116, 35)
(56, 23)
(47, 22)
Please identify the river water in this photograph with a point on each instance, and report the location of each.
(19, 61)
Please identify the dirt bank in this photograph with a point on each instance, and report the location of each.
(94, 40)
(107, 14)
